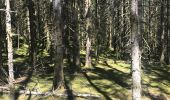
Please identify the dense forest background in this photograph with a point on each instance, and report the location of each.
(85, 49)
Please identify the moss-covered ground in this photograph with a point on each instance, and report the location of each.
(109, 79)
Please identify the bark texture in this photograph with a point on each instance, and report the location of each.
(88, 34)
(32, 29)
(136, 54)
(58, 45)
(10, 49)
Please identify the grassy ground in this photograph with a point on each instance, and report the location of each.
(109, 79)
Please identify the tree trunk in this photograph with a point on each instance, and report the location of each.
(96, 32)
(168, 35)
(76, 48)
(0, 41)
(163, 42)
(88, 35)
(136, 54)
(10, 49)
(88, 51)
(32, 29)
(110, 34)
(58, 45)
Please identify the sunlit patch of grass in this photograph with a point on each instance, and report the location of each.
(51, 65)
(40, 84)
(4, 97)
(83, 52)
(145, 79)
(81, 85)
(19, 59)
(154, 90)
(164, 88)
(22, 50)
(153, 76)
(122, 67)
(119, 65)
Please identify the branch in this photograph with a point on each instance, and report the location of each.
(9, 11)
(3, 87)
(28, 92)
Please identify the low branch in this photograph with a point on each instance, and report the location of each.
(9, 11)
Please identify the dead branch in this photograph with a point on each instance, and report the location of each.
(28, 92)
(9, 11)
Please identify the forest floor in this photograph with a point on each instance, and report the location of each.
(109, 79)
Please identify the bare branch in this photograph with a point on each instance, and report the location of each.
(9, 11)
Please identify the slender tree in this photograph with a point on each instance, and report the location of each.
(162, 33)
(0, 38)
(32, 30)
(136, 54)
(58, 44)
(76, 47)
(88, 35)
(168, 33)
(10, 49)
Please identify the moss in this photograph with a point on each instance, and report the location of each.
(109, 79)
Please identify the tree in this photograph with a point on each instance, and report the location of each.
(168, 33)
(10, 49)
(71, 34)
(75, 35)
(0, 38)
(32, 30)
(135, 53)
(58, 45)
(88, 33)
(162, 33)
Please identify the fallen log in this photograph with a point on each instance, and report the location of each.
(28, 92)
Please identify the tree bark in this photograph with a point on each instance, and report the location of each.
(96, 32)
(88, 35)
(76, 49)
(58, 45)
(135, 53)
(88, 51)
(0, 40)
(162, 32)
(10, 49)
(32, 29)
(1, 43)
(168, 34)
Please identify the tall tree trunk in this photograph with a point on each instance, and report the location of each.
(58, 45)
(1, 43)
(162, 32)
(32, 29)
(136, 54)
(149, 30)
(76, 48)
(167, 34)
(88, 35)
(0, 40)
(96, 32)
(110, 34)
(10, 49)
